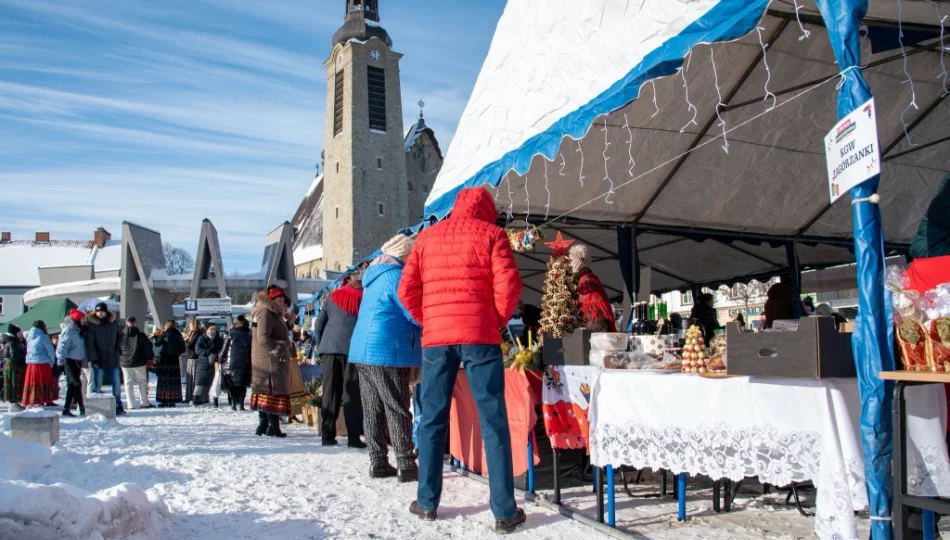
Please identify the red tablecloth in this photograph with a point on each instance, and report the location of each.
(522, 392)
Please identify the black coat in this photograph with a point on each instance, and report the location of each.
(707, 317)
(172, 347)
(102, 341)
(191, 343)
(12, 351)
(207, 350)
(334, 329)
(237, 354)
(135, 349)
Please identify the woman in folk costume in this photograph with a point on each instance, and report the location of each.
(39, 387)
(271, 356)
(172, 347)
(595, 306)
(385, 347)
(341, 382)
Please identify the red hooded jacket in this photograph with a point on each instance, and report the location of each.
(460, 281)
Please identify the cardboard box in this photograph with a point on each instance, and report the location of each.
(571, 350)
(309, 415)
(340, 423)
(817, 350)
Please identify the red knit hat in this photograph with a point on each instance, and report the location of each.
(76, 315)
(274, 292)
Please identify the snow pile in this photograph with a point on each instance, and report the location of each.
(15, 456)
(30, 510)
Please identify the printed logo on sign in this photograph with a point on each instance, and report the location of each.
(867, 109)
(846, 129)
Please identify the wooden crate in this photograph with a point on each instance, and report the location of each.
(817, 350)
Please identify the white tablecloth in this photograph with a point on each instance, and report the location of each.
(779, 430)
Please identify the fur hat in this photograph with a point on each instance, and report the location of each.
(399, 246)
(580, 257)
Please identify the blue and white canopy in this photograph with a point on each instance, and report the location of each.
(577, 97)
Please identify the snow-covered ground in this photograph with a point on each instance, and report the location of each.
(218, 480)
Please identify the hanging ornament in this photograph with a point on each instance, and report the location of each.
(523, 240)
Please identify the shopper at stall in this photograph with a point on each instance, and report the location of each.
(385, 346)
(39, 388)
(270, 361)
(13, 355)
(207, 349)
(102, 351)
(808, 306)
(172, 348)
(236, 362)
(462, 284)
(136, 353)
(704, 313)
(591, 296)
(779, 304)
(825, 310)
(341, 381)
(71, 353)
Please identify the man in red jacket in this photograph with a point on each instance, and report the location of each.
(461, 284)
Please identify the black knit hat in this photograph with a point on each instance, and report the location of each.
(13, 329)
(102, 306)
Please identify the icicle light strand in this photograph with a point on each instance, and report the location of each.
(768, 72)
(720, 104)
(630, 160)
(527, 198)
(864, 31)
(511, 200)
(698, 146)
(563, 164)
(610, 191)
(581, 172)
(913, 94)
(942, 77)
(690, 106)
(805, 33)
(547, 207)
(655, 106)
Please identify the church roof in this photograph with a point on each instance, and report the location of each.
(308, 224)
(415, 131)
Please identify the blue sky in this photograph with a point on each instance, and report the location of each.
(168, 112)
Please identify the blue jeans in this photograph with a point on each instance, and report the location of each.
(416, 415)
(115, 376)
(486, 378)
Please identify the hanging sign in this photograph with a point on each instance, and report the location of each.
(851, 150)
(208, 307)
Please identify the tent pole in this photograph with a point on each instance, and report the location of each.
(795, 277)
(629, 269)
(873, 338)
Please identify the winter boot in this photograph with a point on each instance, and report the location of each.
(66, 412)
(422, 513)
(215, 403)
(273, 429)
(382, 470)
(506, 526)
(408, 473)
(82, 410)
(262, 425)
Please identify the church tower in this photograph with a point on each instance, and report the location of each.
(365, 199)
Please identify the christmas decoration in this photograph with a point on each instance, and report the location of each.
(525, 358)
(695, 356)
(560, 311)
(524, 240)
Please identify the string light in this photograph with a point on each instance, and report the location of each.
(610, 192)
(768, 72)
(720, 104)
(630, 160)
(805, 33)
(690, 106)
(913, 94)
(563, 164)
(581, 174)
(527, 199)
(511, 200)
(864, 31)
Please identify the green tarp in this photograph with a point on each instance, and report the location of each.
(50, 312)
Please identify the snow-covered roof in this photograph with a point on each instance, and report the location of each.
(20, 260)
(307, 254)
(308, 223)
(108, 257)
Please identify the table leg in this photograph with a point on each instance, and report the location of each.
(681, 496)
(900, 516)
(727, 492)
(662, 482)
(611, 518)
(717, 485)
(530, 479)
(930, 525)
(557, 477)
(598, 486)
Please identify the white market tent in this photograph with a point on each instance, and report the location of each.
(567, 107)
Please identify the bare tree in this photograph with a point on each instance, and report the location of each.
(177, 260)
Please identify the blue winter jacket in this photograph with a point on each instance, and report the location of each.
(71, 346)
(385, 334)
(39, 348)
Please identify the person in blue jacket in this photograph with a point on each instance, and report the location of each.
(39, 387)
(385, 347)
(70, 354)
